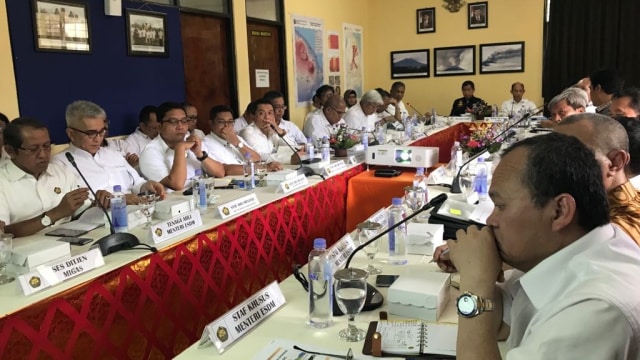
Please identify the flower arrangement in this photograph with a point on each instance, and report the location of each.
(482, 136)
(481, 109)
(342, 139)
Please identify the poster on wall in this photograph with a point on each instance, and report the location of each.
(333, 53)
(353, 57)
(308, 45)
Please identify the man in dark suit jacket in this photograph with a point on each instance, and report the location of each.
(478, 18)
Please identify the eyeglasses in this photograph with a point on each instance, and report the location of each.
(341, 113)
(92, 134)
(175, 122)
(36, 150)
(225, 123)
(280, 107)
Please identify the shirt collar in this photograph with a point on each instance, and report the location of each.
(14, 173)
(163, 144)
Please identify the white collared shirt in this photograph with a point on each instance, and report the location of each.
(356, 119)
(293, 131)
(263, 145)
(318, 127)
(136, 142)
(403, 110)
(103, 170)
(199, 133)
(23, 197)
(223, 152)
(239, 124)
(583, 302)
(4, 155)
(156, 161)
(512, 109)
(635, 181)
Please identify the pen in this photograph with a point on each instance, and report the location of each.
(445, 251)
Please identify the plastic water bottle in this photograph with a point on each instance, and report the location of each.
(481, 184)
(494, 110)
(408, 128)
(456, 156)
(419, 179)
(320, 285)
(249, 173)
(199, 188)
(326, 149)
(434, 117)
(381, 135)
(310, 149)
(397, 237)
(119, 216)
(365, 138)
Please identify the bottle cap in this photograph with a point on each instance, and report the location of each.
(481, 159)
(198, 172)
(456, 143)
(117, 188)
(396, 201)
(319, 243)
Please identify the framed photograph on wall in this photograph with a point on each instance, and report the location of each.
(410, 64)
(502, 57)
(478, 15)
(426, 20)
(146, 32)
(61, 26)
(455, 60)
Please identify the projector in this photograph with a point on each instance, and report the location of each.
(405, 156)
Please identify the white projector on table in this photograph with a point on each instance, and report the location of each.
(405, 156)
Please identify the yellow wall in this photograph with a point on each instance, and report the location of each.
(8, 91)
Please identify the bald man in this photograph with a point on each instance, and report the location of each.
(327, 120)
(517, 106)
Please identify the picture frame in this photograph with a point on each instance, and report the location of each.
(478, 15)
(505, 57)
(426, 20)
(61, 26)
(146, 32)
(454, 60)
(407, 64)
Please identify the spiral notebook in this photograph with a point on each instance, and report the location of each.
(414, 337)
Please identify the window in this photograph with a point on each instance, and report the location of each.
(263, 9)
(219, 6)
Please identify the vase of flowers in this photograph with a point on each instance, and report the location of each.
(482, 136)
(480, 110)
(342, 140)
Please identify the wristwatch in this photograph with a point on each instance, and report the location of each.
(203, 157)
(470, 305)
(45, 220)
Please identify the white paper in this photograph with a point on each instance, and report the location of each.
(262, 78)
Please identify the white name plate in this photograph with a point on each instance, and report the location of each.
(231, 326)
(237, 206)
(335, 168)
(339, 252)
(438, 176)
(380, 217)
(288, 186)
(46, 276)
(460, 118)
(177, 225)
(358, 158)
(497, 119)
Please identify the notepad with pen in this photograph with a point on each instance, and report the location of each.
(411, 338)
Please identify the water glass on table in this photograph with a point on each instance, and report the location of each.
(415, 197)
(351, 293)
(366, 231)
(147, 205)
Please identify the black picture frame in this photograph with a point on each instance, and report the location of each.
(51, 16)
(408, 64)
(454, 60)
(505, 57)
(430, 25)
(480, 20)
(146, 33)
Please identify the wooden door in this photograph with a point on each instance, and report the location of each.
(207, 70)
(265, 54)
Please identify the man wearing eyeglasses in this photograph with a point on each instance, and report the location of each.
(192, 115)
(34, 192)
(224, 144)
(363, 114)
(276, 99)
(103, 167)
(327, 121)
(170, 158)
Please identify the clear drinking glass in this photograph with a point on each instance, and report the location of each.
(147, 205)
(415, 198)
(467, 181)
(366, 231)
(6, 251)
(261, 172)
(350, 294)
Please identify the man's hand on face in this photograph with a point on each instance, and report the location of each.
(230, 135)
(475, 255)
(196, 148)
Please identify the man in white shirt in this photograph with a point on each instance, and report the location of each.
(363, 116)
(585, 84)
(246, 119)
(572, 294)
(103, 167)
(517, 107)
(170, 158)
(277, 100)
(147, 130)
(327, 121)
(225, 145)
(34, 193)
(264, 136)
(381, 111)
(571, 101)
(192, 115)
(323, 93)
(398, 110)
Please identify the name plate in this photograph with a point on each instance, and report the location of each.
(438, 176)
(358, 158)
(497, 119)
(177, 225)
(233, 325)
(288, 186)
(46, 276)
(339, 252)
(335, 168)
(459, 118)
(237, 206)
(380, 217)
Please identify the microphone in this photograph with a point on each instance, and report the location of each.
(414, 109)
(307, 171)
(114, 241)
(455, 185)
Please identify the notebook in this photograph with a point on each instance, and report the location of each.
(414, 337)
